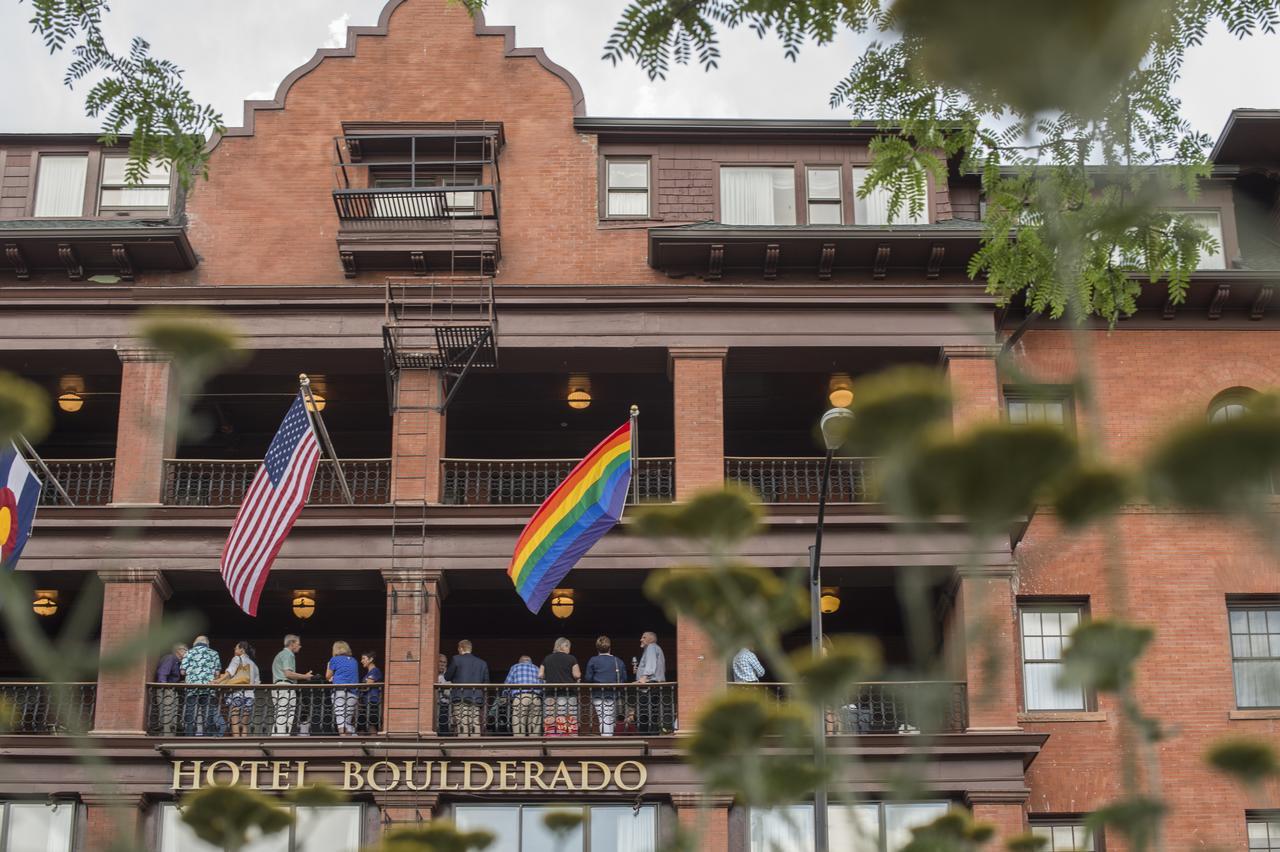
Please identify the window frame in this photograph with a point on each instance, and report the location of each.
(1041, 394)
(1263, 817)
(1222, 235)
(114, 212)
(882, 819)
(1245, 604)
(88, 201)
(360, 807)
(1058, 605)
(837, 202)
(798, 191)
(855, 200)
(1062, 821)
(585, 807)
(6, 821)
(606, 190)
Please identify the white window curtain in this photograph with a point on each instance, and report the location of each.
(501, 821)
(900, 819)
(1255, 649)
(333, 829)
(874, 209)
(152, 193)
(1211, 221)
(754, 195)
(623, 828)
(1045, 635)
(785, 829)
(40, 827)
(854, 828)
(60, 185)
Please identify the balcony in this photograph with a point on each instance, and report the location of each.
(423, 199)
(889, 707)
(44, 708)
(527, 482)
(215, 482)
(556, 710)
(205, 710)
(88, 482)
(799, 480)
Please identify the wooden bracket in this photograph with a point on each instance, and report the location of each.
(715, 262)
(771, 252)
(348, 263)
(826, 261)
(123, 262)
(881, 267)
(14, 255)
(418, 260)
(1170, 309)
(1260, 303)
(1219, 302)
(936, 253)
(67, 255)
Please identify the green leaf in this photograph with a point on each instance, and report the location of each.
(435, 836)
(24, 409)
(757, 750)
(198, 341)
(1088, 494)
(1249, 761)
(831, 677)
(317, 796)
(1136, 818)
(723, 515)
(1026, 843)
(562, 822)
(228, 816)
(954, 831)
(894, 407)
(1102, 654)
(1223, 466)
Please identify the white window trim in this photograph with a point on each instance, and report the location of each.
(647, 192)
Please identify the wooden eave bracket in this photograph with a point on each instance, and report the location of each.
(1260, 302)
(826, 261)
(936, 253)
(67, 254)
(14, 255)
(1219, 301)
(881, 267)
(715, 262)
(771, 252)
(124, 263)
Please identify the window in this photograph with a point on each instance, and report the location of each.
(823, 184)
(329, 829)
(151, 194)
(399, 206)
(1064, 836)
(60, 184)
(1038, 405)
(1211, 221)
(757, 195)
(1264, 833)
(627, 183)
(1230, 405)
(865, 827)
(1255, 654)
(874, 209)
(520, 828)
(1046, 633)
(36, 826)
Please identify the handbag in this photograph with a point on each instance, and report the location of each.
(241, 677)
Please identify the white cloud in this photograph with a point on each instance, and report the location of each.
(260, 95)
(338, 31)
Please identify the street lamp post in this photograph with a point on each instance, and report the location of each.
(835, 429)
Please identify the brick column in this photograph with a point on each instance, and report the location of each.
(132, 603)
(112, 820)
(413, 646)
(697, 374)
(1005, 811)
(706, 817)
(147, 431)
(975, 382)
(417, 438)
(405, 808)
(987, 613)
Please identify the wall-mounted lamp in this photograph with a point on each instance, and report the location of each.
(562, 603)
(71, 393)
(45, 602)
(830, 601)
(840, 390)
(304, 603)
(319, 390)
(579, 396)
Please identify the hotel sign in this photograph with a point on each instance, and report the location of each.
(436, 776)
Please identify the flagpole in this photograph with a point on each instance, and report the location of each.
(313, 412)
(635, 455)
(25, 446)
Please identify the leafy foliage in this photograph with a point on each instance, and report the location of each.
(1088, 494)
(24, 409)
(954, 831)
(435, 836)
(1026, 843)
(230, 816)
(1249, 761)
(137, 93)
(1102, 655)
(718, 516)
(1137, 819)
(828, 679)
(893, 407)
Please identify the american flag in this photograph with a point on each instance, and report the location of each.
(271, 505)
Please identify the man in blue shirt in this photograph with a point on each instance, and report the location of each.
(747, 667)
(526, 704)
(168, 701)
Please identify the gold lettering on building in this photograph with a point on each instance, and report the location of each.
(514, 776)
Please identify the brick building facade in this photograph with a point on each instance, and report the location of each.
(429, 223)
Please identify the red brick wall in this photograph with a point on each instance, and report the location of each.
(1178, 569)
(413, 648)
(145, 433)
(132, 603)
(705, 819)
(417, 437)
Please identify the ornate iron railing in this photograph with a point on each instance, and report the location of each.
(890, 707)
(43, 708)
(303, 709)
(799, 480)
(470, 206)
(213, 482)
(88, 482)
(527, 482)
(555, 710)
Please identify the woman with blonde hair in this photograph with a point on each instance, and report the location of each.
(343, 670)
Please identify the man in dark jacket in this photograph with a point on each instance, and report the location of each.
(168, 701)
(467, 705)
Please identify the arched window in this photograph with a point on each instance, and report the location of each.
(1231, 404)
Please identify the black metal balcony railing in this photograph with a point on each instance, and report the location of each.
(42, 708)
(556, 710)
(798, 480)
(211, 482)
(890, 707)
(88, 482)
(206, 710)
(468, 206)
(527, 482)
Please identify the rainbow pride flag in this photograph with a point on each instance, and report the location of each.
(582, 509)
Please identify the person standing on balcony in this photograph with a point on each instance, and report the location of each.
(371, 699)
(342, 671)
(560, 708)
(747, 667)
(604, 667)
(284, 671)
(169, 701)
(467, 704)
(201, 665)
(652, 668)
(242, 670)
(443, 724)
(526, 704)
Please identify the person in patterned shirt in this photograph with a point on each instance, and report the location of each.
(201, 665)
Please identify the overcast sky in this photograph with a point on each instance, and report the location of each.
(244, 48)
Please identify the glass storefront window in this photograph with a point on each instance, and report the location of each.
(332, 829)
(520, 828)
(37, 826)
(864, 827)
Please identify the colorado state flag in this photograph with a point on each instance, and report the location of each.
(19, 495)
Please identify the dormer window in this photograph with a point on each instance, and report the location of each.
(758, 195)
(60, 182)
(874, 208)
(151, 194)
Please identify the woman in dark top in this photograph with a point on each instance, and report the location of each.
(561, 706)
(604, 667)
